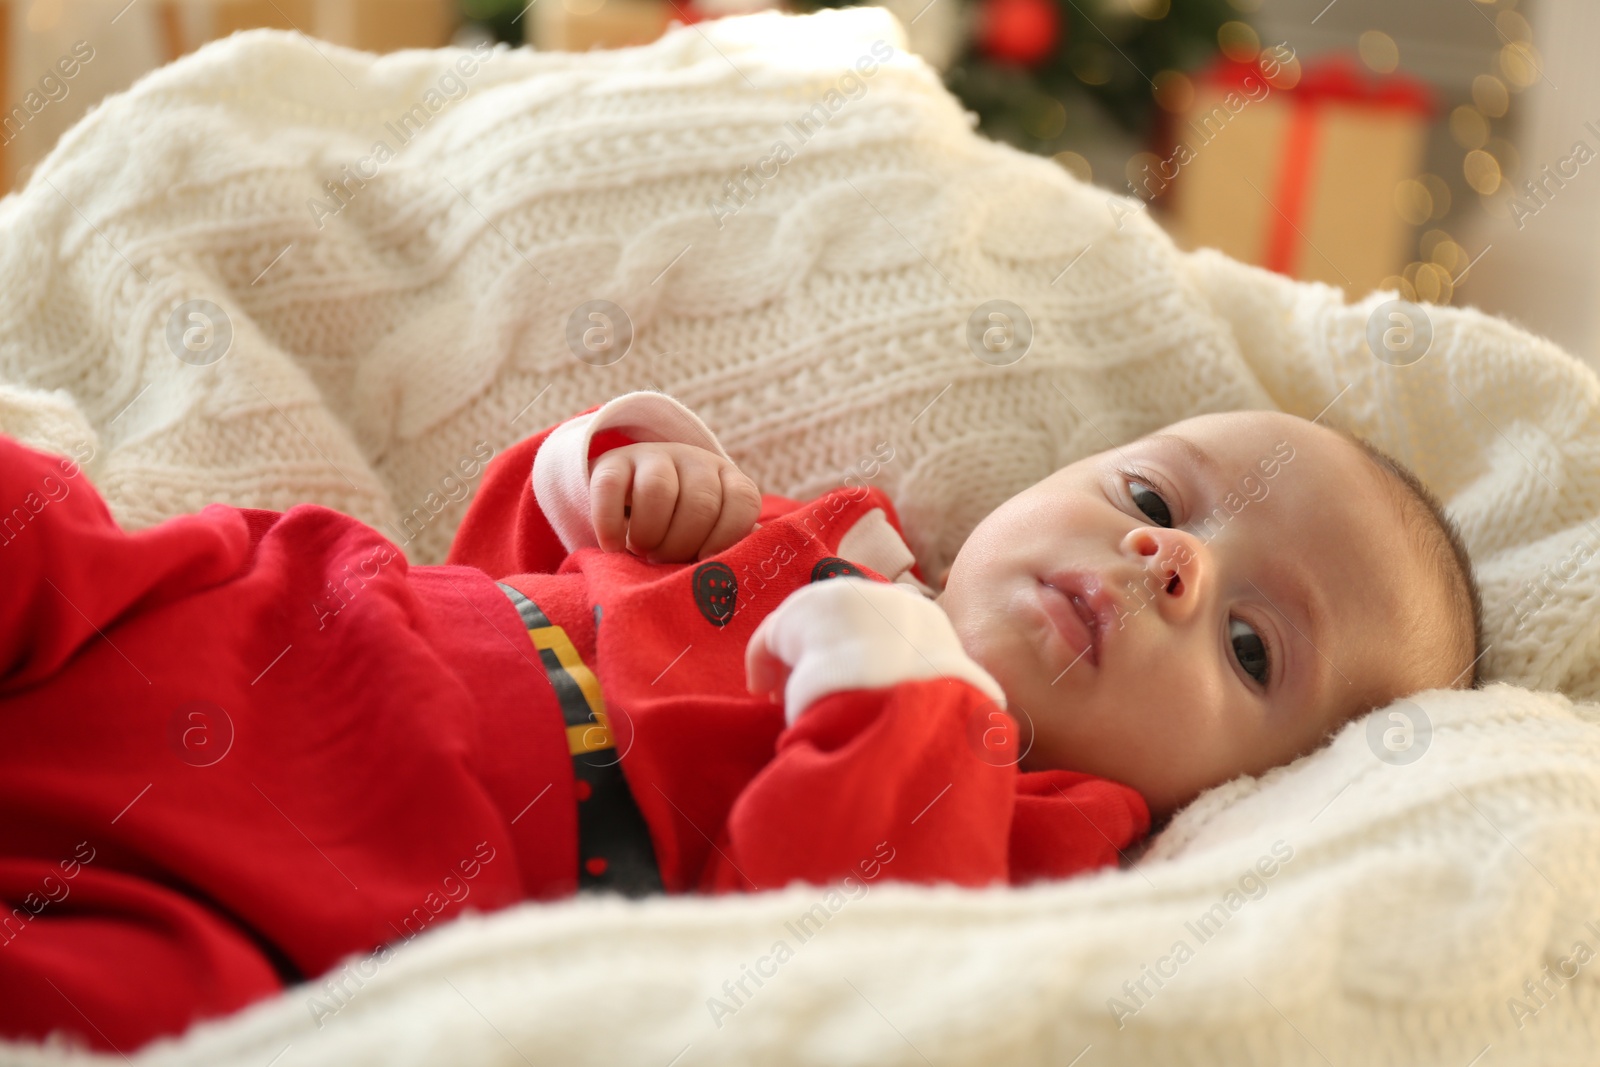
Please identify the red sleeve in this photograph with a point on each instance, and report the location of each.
(1067, 822)
(82, 948)
(504, 531)
(874, 781)
(116, 958)
(909, 781)
(69, 570)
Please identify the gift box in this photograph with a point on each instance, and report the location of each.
(579, 25)
(59, 57)
(1300, 178)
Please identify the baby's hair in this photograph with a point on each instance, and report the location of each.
(1427, 520)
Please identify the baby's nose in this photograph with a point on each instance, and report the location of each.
(1172, 561)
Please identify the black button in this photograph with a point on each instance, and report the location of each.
(715, 591)
(834, 567)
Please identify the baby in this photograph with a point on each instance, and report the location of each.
(1251, 581)
(244, 744)
(1208, 601)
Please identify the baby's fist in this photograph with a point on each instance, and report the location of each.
(670, 502)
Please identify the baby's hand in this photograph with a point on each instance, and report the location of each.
(670, 502)
(851, 632)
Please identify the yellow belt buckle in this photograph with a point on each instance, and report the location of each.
(590, 737)
(587, 736)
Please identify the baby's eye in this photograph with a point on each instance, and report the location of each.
(1250, 650)
(1158, 510)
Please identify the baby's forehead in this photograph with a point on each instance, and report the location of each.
(1227, 426)
(1234, 444)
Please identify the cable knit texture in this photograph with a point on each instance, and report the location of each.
(816, 324)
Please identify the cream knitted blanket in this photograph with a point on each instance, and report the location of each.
(799, 224)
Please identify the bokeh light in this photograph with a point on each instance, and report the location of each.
(1075, 163)
(1490, 96)
(1438, 193)
(1173, 91)
(1413, 202)
(1150, 9)
(1519, 62)
(1482, 171)
(1505, 154)
(1513, 27)
(1238, 41)
(1379, 51)
(1091, 64)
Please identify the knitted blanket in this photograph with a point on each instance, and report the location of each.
(279, 271)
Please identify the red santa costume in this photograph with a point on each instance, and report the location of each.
(245, 744)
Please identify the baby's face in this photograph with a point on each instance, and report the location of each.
(1297, 602)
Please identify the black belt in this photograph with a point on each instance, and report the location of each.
(614, 849)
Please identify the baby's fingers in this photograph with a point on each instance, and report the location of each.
(657, 491)
(610, 480)
(741, 504)
(764, 673)
(698, 504)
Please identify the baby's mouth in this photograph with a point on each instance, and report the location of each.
(1092, 621)
(1074, 619)
(1095, 605)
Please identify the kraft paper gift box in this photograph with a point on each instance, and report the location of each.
(1300, 180)
(371, 25)
(59, 57)
(580, 26)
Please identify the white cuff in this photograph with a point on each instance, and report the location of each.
(855, 633)
(873, 542)
(561, 466)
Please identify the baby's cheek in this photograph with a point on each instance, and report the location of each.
(1197, 736)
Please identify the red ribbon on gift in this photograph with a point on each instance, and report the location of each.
(1332, 79)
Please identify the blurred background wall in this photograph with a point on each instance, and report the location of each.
(1445, 149)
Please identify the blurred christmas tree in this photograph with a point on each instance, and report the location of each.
(1027, 67)
(504, 20)
(1043, 75)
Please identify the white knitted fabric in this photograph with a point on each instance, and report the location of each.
(824, 320)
